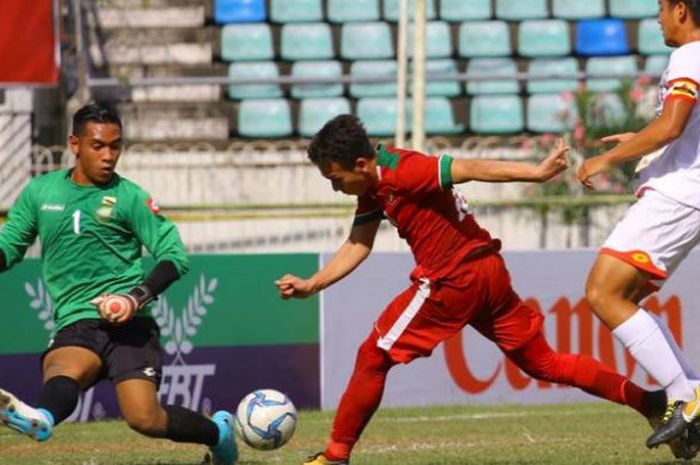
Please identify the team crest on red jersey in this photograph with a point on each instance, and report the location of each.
(153, 206)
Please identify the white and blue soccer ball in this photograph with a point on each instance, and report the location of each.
(266, 419)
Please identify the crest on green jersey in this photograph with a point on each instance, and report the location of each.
(106, 210)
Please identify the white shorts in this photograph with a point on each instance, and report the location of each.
(655, 235)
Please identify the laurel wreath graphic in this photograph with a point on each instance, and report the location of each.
(41, 302)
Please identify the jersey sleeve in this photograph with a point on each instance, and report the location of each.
(21, 227)
(420, 174)
(158, 234)
(683, 74)
(368, 210)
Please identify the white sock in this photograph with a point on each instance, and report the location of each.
(646, 342)
(680, 355)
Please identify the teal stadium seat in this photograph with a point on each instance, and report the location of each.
(251, 42)
(374, 68)
(449, 88)
(264, 118)
(438, 41)
(496, 114)
(314, 69)
(391, 9)
(651, 40)
(578, 9)
(315, 112)
(253, 70)
(344, 11)
(517, 10)
(544, 38)
(484, 39)
(550, 113)
(437, 116)
(307, 41)
(456, 11)
(378, 114)
(606, 65)
(492, 67)
(239, 11)
(634, 9)
(366, 41)
(295, 11)
(544, 66)
(655, 65)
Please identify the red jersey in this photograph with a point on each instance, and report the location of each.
(415, 194)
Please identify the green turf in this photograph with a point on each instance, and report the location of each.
(593, 433)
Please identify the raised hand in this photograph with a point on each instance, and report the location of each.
(293, 286)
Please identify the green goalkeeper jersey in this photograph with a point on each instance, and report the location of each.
(91, 239)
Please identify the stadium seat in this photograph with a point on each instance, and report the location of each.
(578, 9)
(634, 9)
(438, 117)
(391, 9)
(517, 10)
(496, 114)
(378, 114)
(264, 118)
(460, 10)
(375, 68)
(492, 67)
(366, 41)
(294, 11)
(606, 65)
(651, 40)
(311, 69)
(550, 113)
(307, 41)
(239, 11)
(552, 66)
(484, 39)
(655, 65)
(596, 37)
(315, 112)
(246, 42)
(343, 11)
(544, 38)
(253, 70)
(449, 88)
(438, 41)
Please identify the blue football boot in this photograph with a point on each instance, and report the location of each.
(35, 423)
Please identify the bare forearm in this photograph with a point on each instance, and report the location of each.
(346, 259)
(651, 138)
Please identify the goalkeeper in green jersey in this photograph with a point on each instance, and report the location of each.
(92, 225)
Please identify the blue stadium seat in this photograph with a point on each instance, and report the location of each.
(295, 11)
(655, 65)
(546, 66)
(239, 11)
(449, 88)
(343, 11)
(438, 117)
(496, 114)
(651, 40)
(544, 38)
(517, 10)
(550, 113)
(391, 9)
(315, 112)
(578, 9)
(264, 118)
(438, 41)
(306, 41)
(484, 39)
(360, 41)
(251, 42)
(492, 67)
(606, 65)
(596, 37)
(634, 9)
(374, 68)
(378, 114)
(253, 70)
(313, 69)
(457, 11)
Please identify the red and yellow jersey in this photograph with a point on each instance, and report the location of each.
(415, 194)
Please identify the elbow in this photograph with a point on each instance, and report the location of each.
(669, 132)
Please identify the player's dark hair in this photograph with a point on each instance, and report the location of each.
(342, 140)
(94, 113)
(693, 6)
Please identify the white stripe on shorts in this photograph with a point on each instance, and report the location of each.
(406, 317)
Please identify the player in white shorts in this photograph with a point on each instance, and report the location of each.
(661, 227)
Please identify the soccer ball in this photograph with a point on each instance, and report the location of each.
(266, 419)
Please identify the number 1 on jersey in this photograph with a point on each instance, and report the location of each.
(76, 222)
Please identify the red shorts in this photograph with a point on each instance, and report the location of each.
(427, 313)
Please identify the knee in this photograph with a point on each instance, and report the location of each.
(371, 357)
(597, 295)
(542, 368)
(149, 425)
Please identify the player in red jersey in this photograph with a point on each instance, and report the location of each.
(460, 277)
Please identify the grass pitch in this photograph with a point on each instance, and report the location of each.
(592, 433)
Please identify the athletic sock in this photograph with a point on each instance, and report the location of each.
(58, 398)
(677, 351)
(187, 426)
